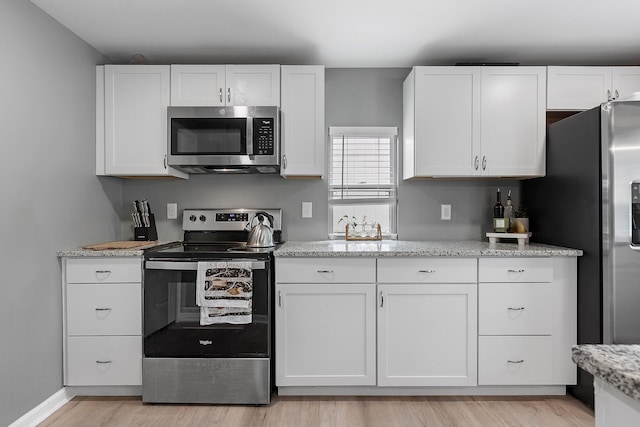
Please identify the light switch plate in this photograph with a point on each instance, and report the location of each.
(445, 212)
(172, 211)
(307, 209)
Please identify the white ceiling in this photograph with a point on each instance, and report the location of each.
(357, 33)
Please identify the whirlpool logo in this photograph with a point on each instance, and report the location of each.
(206, 342)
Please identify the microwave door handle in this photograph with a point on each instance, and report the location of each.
(249, 141)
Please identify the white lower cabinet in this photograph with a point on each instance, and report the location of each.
(325, 334)
(326, 316)
(526, 321)
(102, 321)
(515, 360)
(104, 360)
(427, 335)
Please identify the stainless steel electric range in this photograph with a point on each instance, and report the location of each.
(208, 312)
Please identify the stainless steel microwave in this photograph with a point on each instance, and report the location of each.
(224, 139)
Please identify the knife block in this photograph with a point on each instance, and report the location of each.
(146, 233)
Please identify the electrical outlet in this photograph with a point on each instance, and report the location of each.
(445, 212)
(307, 209)
(172, 211)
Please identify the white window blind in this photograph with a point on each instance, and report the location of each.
(362, 176)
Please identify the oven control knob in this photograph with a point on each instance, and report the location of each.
(203, 218)
(192, 218)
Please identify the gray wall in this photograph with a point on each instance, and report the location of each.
(354, 97)
(51, 198)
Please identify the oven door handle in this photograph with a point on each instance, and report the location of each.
(193, 265)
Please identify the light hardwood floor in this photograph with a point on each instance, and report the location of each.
(556, 411)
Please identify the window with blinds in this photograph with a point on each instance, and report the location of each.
(362, 177)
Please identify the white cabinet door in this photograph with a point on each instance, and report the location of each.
(577, 88)
(625, 81)
(325, 334)
(513, 111)
(302, 120)
(135, 120)
(583, 88)
(198, 85)
(254, 85)
(441, 121)
(474, 121)
(427, 335)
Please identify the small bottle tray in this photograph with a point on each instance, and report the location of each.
(522, 238)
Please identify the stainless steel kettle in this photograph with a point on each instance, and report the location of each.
(260, 235)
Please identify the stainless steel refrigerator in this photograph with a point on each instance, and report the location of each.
(587, 201)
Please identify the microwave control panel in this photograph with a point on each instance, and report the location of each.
(264, 136)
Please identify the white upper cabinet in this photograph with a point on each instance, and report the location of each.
(441, 121)
(582, 88)
(220, 85)
(302, 120)
(474, 121)
(198, 85)
(132, 112)
(513, 121)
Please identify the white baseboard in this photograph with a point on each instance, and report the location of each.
(45, 409)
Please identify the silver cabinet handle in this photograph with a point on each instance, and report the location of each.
(103, 271)
(221, 98)
(426, 271)
(102, 362)
(476, 163)
(608, 95)
(279, 298)
(325, 271)
(165, 161)
(515, 308)
(617, 94)
(511, 270)
(284, 161)
(515, 361)
(103, 309)
(484, 162)
(381, 299)
(229, 95)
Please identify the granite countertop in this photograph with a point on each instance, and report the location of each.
(400, 248)
(617, 364)
(80, 252)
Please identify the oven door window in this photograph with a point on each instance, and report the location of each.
(209, 136)
(172, 319)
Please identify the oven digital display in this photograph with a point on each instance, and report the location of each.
(232, 217)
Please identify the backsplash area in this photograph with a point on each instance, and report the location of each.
(354, 97)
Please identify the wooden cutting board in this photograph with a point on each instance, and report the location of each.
(123, 244)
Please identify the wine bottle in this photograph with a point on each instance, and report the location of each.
(498, 209)
(500, 224)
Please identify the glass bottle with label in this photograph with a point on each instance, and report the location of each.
(500, 223)
(508, 211)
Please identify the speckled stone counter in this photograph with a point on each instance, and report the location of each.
(400, 248)
(80, 252)
(616, 364)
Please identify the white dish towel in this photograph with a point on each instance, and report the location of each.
(224, 292)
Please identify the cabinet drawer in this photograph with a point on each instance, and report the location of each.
(104, 361)
(514, 309)
(514, 360)
(427, 270)
(104, 309)
(104, 270)
(326, 270)
(515, 270)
